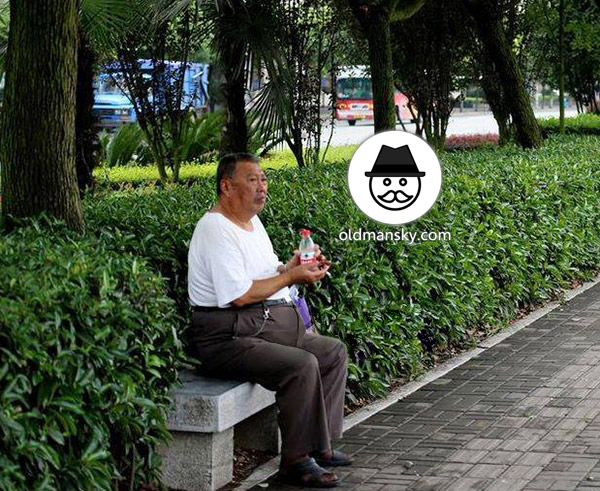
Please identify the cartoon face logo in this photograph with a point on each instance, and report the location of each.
(395, 193)
(394, 177)
(395, 180)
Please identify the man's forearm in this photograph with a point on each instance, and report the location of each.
(263, 289)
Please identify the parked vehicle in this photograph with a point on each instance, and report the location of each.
(113, 106)
(113, 110)
(355, 97)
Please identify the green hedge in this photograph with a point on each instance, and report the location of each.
(583, 124)
(88, 353)
(88, 327)
(523, 223)
(136, 175)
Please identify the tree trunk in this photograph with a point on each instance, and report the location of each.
(561, 65)
(382, 80)
(490, 83)
(86, 134)
(493, 37)
(374, 19)
(375, 24)
(499, 110)
(295, 144)
(235, 133)
(38, 117)
(233, 58)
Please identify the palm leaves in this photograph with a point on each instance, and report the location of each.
(105, 22)
(127, 143)
(102, 21)
(199, 139)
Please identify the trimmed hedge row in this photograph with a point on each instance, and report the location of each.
(135, 176)
(582, 124)
(88, 354)
(524, 224)
(87, 339)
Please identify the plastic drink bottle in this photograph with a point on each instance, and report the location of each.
(307, 248)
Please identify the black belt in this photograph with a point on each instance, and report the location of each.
(257, 305)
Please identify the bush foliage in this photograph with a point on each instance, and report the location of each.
(470, 141)
(136, 175)
(88, 343)
(583, 124)
(88, 354)
(200, 136)
(523, 224)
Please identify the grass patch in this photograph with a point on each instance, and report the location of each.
(136, 175)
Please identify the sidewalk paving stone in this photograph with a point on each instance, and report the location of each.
(522, 415)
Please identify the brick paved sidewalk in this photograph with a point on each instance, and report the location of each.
(524, 414)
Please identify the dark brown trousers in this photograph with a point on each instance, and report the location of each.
(307, 371)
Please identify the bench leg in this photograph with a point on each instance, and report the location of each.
(259, 432)
(198, 461)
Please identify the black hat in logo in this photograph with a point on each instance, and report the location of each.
(395, 162)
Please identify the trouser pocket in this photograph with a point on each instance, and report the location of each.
(284, 327)
(249, 323)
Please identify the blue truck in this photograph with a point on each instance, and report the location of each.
(113, 107)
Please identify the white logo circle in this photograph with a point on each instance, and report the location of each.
(394, 177)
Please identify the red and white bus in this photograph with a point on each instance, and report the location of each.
(355, 97)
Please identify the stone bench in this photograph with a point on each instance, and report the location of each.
(207, 416)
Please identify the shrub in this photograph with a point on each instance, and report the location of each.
(134, 176)
(468, 142)
(583, 124)
(155, 224)
(127, 146)
(87, 334)
(88, 355)
(523, 224)
(200, 136)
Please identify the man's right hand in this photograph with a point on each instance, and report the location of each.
(307, 274)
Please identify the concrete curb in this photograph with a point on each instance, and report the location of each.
(268, 469)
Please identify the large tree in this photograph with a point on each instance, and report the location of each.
(517, 32)
(493, 37)
(374, 18)
(101, 25)
(566, 30)
(233, 50)
(431, 53)
(37, 128)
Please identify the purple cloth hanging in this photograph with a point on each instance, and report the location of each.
(304, 313)
(302, 307)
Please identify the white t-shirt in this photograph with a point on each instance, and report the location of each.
(224, 259)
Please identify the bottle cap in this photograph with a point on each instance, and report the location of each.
(305, 232)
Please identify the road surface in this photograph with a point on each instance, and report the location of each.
(459, 124)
